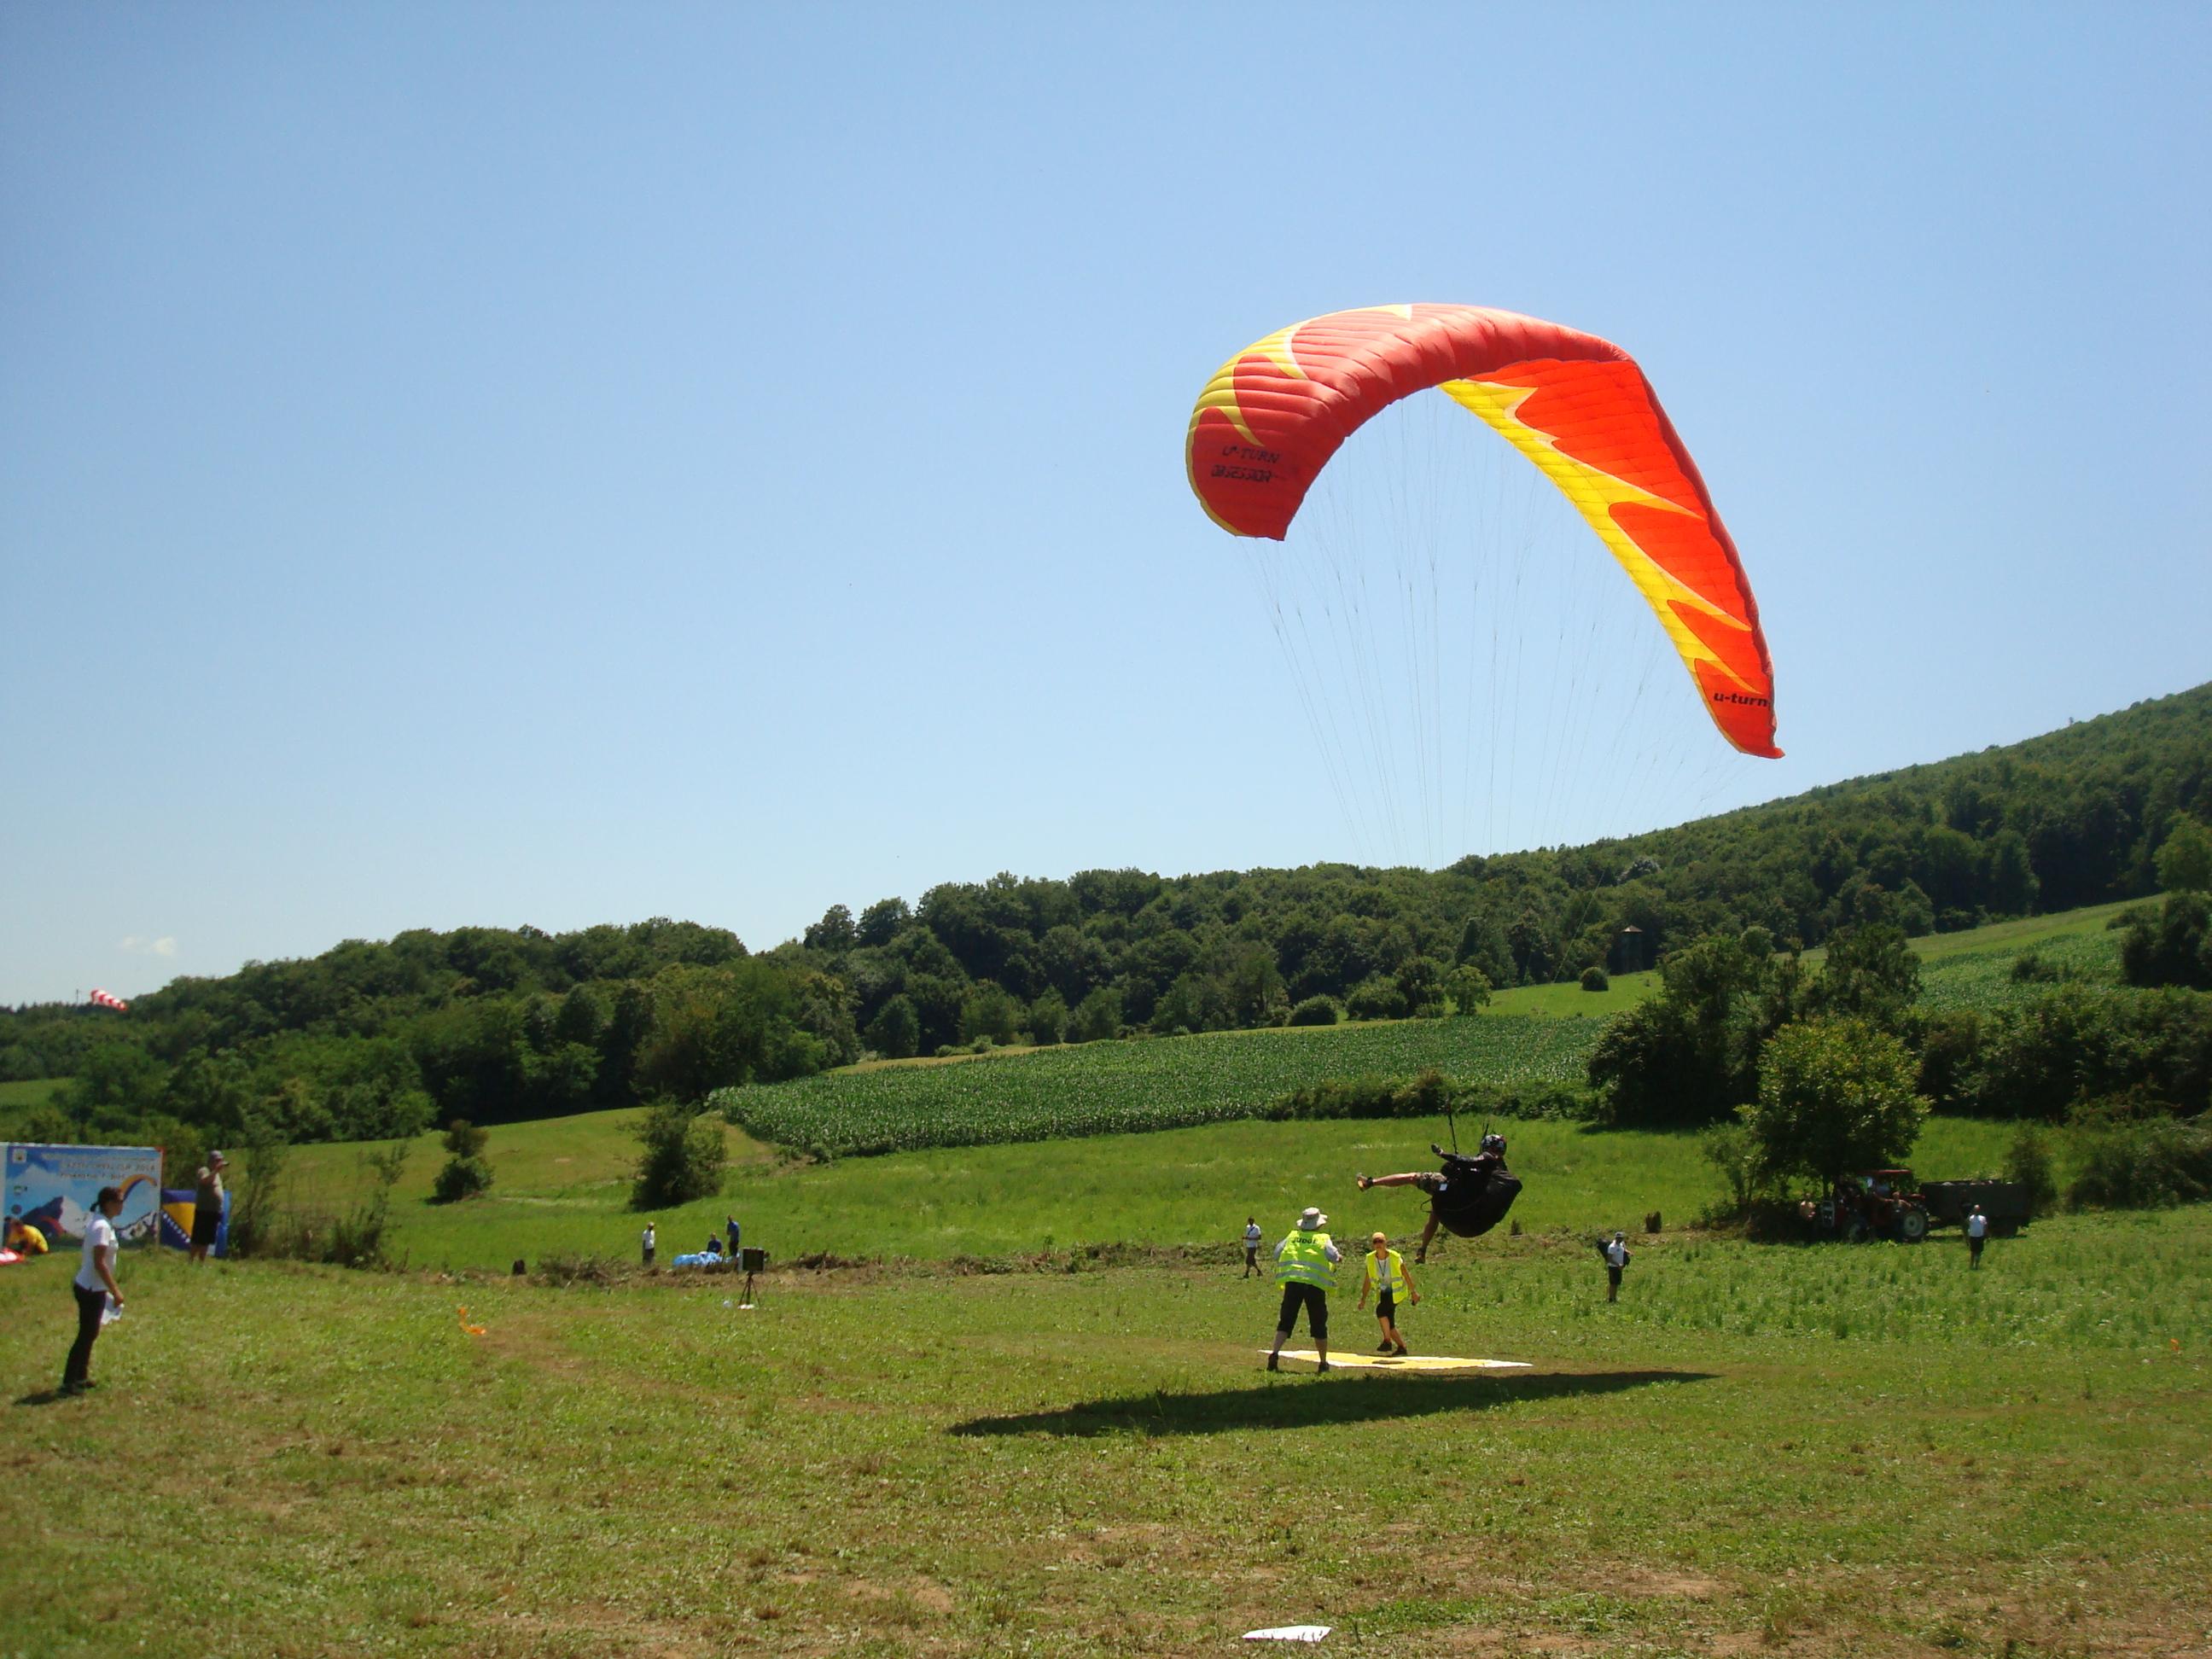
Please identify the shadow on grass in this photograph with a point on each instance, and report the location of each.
(44, 1397)
(1293, 1401)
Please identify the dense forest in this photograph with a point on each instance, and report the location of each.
(491, 1024)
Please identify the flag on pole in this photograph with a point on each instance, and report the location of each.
(102, 999)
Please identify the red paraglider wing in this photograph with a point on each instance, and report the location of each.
(1576, 406)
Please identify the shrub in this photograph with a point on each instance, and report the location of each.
(460, 1178)
(466, 1172)
(2142, 1165)
(1594, 979)
(2027, 1161)
(682, 1157)
(1375, 998)
(1317, 1011)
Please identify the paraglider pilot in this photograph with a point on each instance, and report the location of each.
(1469, 1196)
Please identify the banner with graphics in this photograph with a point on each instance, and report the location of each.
(53, 1187)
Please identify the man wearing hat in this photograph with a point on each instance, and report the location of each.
(1305, 1266)
(207, 1206)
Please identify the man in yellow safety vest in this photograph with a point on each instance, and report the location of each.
(1387, 1277)
(1305, 1266)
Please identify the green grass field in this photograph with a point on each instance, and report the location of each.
(561, 1188)
(1789, 1450)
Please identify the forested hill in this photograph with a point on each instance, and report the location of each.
(372, 1039)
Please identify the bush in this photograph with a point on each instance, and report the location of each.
(2142, 1165)
(1317, 1011)
(681, 1157)
(2027, 1161)
(1594, 979)
(461, 1178)
(466, 1172)
(1375, 998)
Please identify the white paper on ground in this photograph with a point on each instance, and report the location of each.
(1288, 1633)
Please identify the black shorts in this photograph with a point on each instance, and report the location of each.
(1314, 1299)
(207, 1223)
(1385, 1305)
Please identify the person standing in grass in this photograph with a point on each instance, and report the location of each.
(735, 1232)
(207, 1206)
(94, 1285)
(1305, 1266)
(1615, 1252)
(1977, 1229)
(645, 1240)
(1385, 1276)
(1251, 1245)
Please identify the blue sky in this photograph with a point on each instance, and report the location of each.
(555, 464)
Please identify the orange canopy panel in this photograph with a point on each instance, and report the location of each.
(1576, 406)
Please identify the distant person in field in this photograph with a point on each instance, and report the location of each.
(1252, 1237)
(1615, 1252)
(206, 1206)
(645, 1240)
(95, 1288)
(730, 1226)
(1385, 1276)
(1305, 1266)
(714, 1246)
(1978, 1230)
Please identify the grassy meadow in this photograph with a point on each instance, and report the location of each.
(561, 1187)
(1786, 1450)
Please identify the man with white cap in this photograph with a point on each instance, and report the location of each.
(1305, 1266)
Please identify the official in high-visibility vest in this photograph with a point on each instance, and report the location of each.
(1305, 1266)
(1387, 1277)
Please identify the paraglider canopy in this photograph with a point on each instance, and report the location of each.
(1576, 406)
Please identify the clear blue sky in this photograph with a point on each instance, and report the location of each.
(555, 464)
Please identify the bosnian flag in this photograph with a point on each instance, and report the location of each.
(102, 999)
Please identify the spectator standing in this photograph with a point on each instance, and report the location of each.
(1978, 1230)
(1305, 1266)
(1615, 1252)
(96, 1287)
(731, 1228)
(1251, 1245)
(207, 1206)
(645, 1240)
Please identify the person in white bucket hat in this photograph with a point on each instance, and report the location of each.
(1305, 1266)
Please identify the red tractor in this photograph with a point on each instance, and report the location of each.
(1893, 1204)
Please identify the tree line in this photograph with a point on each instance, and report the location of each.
(372, 1040)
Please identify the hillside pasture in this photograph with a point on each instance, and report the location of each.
(1794, 1451)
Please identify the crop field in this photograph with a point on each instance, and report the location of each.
(1106, 1088)
(1168, 1083)
(1796, 1451)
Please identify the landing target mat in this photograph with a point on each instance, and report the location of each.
(1416, 1362)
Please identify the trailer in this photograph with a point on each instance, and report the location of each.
(1892, 1204)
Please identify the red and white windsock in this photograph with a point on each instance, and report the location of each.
(102, 999)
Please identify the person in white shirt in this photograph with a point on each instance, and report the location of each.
(1977, 1229)
(1252, 1238)
(645, 1240)
(94, 1285)
(1615, 1252)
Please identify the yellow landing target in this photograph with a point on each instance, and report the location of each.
(1415, 1362)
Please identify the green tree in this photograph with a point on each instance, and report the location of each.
(2185, 858)
(1834, 1095)
(1871, 974)
(1468, 989)
(895, 1031)
(682, 1154)
(1048, 1020)
(1098, 1016)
